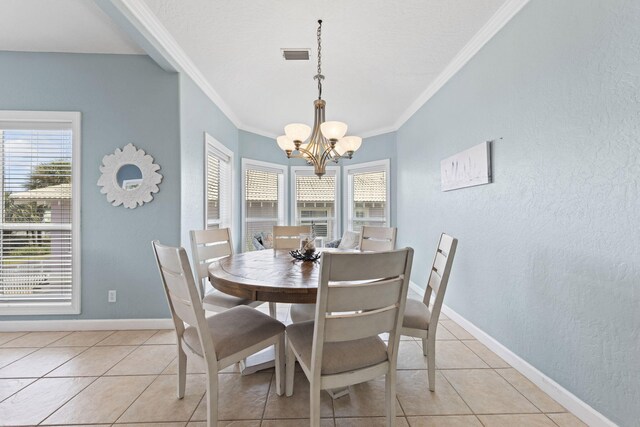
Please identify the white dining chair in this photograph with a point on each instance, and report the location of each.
(360, 295)
(288, 236)
(208, 246)
(377, 238)
(421, 317)
(220, 340)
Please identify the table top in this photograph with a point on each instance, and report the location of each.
(267, 275)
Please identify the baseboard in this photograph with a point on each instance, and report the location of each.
(84, 325)
(563, 396)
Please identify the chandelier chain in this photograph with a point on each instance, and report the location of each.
(319, 76)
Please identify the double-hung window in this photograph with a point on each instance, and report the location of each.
(264, 199)
(367, 193)
(219, 187)
(40, 212)
(316, 200)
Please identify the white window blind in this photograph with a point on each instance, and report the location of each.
(368, 195)
(218, 185)
(264, 199)
(316, 200)
(37, 217)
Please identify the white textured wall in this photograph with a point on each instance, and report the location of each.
(549, 256)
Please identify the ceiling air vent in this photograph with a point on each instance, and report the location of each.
(295, 54)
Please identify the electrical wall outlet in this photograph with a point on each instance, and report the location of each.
(112, 296)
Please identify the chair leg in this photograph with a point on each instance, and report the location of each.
(314, 404)
(291, 364)
(182, 371)
(212, 399)
(424, 346)
(280, 365)
(390, 396)
(273, 311)
(431, 361)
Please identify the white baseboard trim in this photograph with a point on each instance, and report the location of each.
(84, 325)
(563, 396)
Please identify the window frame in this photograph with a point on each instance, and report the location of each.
(309, 171)
(283, 192)
(374, 166)
(211, 145)
(74, 120)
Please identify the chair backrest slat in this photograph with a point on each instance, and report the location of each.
(207, 246)
(363, 296)
(377, 238)
(434, 282)
(360, 325)
(439, 263)
(288, 236)
(212, 252)
(203, 237)
(372, 266)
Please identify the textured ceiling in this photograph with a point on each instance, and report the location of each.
(60, 26)
(378, 55)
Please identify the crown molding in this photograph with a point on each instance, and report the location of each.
(258, 131)
(148, 25)
(499, 19)
(379, 131)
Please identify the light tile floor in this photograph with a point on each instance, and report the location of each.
(128, 378)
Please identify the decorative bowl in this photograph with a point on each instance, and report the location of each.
(305, 256)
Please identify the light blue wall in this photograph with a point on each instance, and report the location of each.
(379, 147)
(198, 114)
(548, 259)
(123, 99)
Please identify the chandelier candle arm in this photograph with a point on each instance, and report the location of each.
(327, 141)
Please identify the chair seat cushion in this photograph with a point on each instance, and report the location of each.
(234, 330)
(302, 312)
(337, 357)
(220, 299)
(416, 315)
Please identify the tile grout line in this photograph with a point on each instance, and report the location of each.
(522, 394)
(136, 399)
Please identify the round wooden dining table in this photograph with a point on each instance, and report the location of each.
(269, 275)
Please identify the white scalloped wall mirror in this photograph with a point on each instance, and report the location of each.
(129, 177)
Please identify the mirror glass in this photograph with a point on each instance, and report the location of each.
(129, 177)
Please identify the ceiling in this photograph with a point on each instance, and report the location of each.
(60, 26)
(379, 57)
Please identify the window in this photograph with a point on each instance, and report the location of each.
(40, 212)
(264, 199)
(367, 193)
(218, 188)
(316, 200)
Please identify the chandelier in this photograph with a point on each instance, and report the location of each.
(328, 142)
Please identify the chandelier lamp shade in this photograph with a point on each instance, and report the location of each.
(326, 142)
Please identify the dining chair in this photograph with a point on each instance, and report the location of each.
(421, 317)
(377, 238)
(288, 236)
(208, 246)
(360, 295)
(220, 340)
